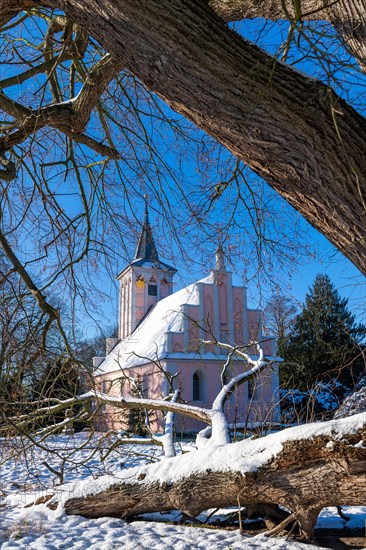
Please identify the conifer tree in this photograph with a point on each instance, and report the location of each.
(325, 341)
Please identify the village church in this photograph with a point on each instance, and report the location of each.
(162, 331)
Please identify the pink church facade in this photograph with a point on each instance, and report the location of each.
(161, 331)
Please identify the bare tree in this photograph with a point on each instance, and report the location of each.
(90, 102)
(75, 108)
(278, 316)
(292, 130)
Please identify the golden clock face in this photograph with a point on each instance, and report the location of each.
(140, 283)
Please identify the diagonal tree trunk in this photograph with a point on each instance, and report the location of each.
(347, 16)
(293, 131)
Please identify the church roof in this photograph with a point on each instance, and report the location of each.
(146, 252)
(149, 341)
(146, 248)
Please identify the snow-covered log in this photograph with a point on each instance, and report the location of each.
(304, 469)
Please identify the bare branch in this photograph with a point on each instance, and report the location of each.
(25, 75)
(70, 117)
(8, 170)
(198, 413)
(346, 17)
(269, 98)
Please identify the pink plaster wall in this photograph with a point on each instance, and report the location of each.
(165, 289)
(193, 327)
(238, 320)
(114, 383)
(177, 342)
(240, 408)
(208, 310)
(223, 303)
(208, 321)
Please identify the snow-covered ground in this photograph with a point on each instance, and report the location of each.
(24, 479)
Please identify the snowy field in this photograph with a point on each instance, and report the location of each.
(24, 479)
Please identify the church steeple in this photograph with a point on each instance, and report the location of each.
(146, 248)
(144, 282)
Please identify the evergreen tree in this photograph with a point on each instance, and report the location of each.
(325, 341)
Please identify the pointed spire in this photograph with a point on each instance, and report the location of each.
(220, 259)
(146, 248)
(146, 219)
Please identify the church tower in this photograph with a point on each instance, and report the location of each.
(144, 282)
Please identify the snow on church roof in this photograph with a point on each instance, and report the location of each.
(148, 342)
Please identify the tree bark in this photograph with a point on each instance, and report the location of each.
(293, 131)
(308, 475)
(307, 143)
(11, 8)
(347, 17)
(237, 10)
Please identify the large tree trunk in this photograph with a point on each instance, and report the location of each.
(307, 475)
(347, 16)
(293, 131)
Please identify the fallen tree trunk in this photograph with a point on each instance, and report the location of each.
(304, 469)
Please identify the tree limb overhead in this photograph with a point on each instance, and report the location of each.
(306, 142)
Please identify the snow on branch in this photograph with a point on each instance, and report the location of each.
(219, 433)
(257, 366)
(281, 467)
(199, 413)
(166, 440)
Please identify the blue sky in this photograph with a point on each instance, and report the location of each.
(181, 174)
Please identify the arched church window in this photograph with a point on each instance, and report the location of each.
(198, 387)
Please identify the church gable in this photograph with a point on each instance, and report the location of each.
(164, 331)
